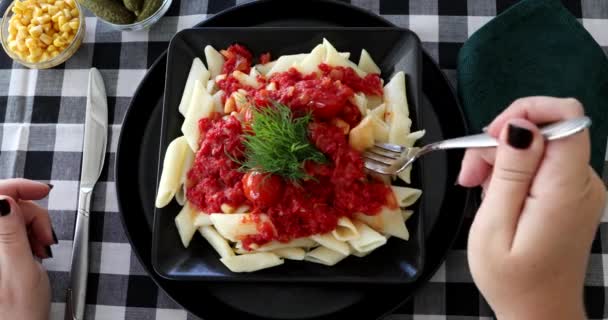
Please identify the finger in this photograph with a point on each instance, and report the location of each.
(538, 110)
(23, 189)
(15, 251)
(38, 221)
(476, 166)
(517, 158)
(39, 250)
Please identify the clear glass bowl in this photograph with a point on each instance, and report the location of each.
(146, 23)
(62, 57)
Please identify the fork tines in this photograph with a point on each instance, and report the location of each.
(384, 153)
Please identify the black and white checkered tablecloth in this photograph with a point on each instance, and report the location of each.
(41, 129)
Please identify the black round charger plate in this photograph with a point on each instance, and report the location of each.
(136, 163)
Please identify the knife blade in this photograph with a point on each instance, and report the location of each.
(93, 157)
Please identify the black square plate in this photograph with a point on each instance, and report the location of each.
(393, 49)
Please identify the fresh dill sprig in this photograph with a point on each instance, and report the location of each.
(278, 143)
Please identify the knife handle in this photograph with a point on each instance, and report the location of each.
(76, 294)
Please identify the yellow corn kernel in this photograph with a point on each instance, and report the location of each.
(45, 56)
(60, 4)
(12, 37)
(54, 54)
(21, 45)
(46, 39)
(55, 17)
(12, 45)
(30, 43)
(25, 21)
(21, 35)
(37, 12)
(51, 48)
(58, 42)
(19, 6)
(44, 19)
(56, 27)
(61, 21)
(36, 52)
(67, 13)
(36, 31)
(70, 3)
(65, 28)
(12, 29)
(46, 27)
(74, 12)
(74, 24)
(52, 10)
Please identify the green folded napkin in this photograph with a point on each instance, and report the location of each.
(535, 47)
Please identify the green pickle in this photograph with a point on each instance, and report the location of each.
(133, 5)
(149, 8)
(109, 10)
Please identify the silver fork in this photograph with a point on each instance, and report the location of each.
(390, 159)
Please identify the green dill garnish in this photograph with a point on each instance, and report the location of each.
(278, 143)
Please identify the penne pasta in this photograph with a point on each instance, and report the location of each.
(345, 230)
(406, 214)
(329, 241)
(311, 62)
(217, 101)
(237, 225)
(185, 225)
(285, 62)
(380, 128)
(215, 61)
(201, 106)
(180, 196)
(171, 174)
(367, 64)
(388, 222)
(334, 58)
(246, 80)
(361, 137)
(368, 239)
(413, 137)
(406, 196)
(211, 87)
(290, 253)
(374, 101)
(202, 219)
(274, 245)
(216, 241)
(360, 100)
(197, 72)
(325, 256)
(264, 68)
(252, 262)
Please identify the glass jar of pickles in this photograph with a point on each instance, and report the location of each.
(128, 15)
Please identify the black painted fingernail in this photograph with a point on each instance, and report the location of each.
(519, 138)
(5, 207)
(49, 252)
(50, 186)
(55, 240)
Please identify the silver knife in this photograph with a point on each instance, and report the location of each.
(93, 155)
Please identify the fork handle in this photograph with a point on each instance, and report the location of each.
(553, 131)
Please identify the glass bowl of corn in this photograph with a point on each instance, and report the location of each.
(42, 34)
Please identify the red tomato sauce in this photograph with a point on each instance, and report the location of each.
(214, 178)
(337, 188)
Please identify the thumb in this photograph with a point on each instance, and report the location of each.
(518, 156)
(15, 252)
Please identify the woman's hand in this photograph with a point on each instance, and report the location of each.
(530, 240)
(25, 231)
